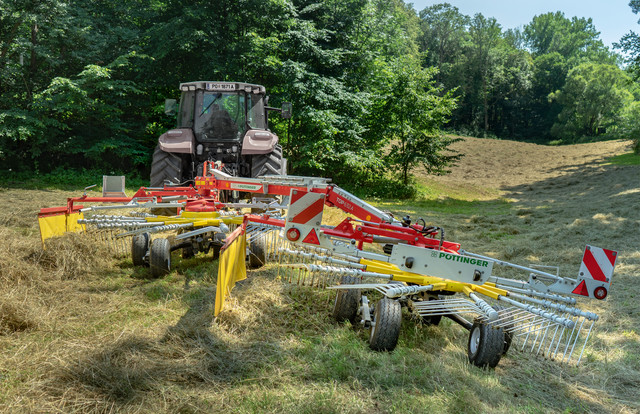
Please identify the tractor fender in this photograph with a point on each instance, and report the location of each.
(179, 140)
(258, 141)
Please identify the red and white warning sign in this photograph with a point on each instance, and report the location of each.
(305, 208)
(595, 273)
(304, 217)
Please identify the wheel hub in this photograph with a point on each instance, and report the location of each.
(474, 344)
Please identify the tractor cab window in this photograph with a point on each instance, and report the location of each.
(221, 116)
(185, 111)
(255, 114)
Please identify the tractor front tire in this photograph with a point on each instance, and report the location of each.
(165, 167)
(387, 319)
(347, 303)
(139, 248)
(486, 345)
(160, 257)
(268, 164)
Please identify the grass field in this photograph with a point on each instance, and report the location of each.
(83, 331)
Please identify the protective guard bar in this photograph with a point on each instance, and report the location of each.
(278, 185)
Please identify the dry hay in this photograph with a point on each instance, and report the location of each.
(14, 316)
(76, 339)
(500, 164)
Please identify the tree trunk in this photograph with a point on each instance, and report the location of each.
(33, 59)
(485, 104)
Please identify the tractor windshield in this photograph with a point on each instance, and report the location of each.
(255, 114)
(221, 116)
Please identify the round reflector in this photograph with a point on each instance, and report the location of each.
(293, 234)
(600, 292)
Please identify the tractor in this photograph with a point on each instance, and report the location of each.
(224, 123)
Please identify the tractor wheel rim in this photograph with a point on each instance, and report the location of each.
(474, 343)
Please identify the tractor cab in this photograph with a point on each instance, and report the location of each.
(221, 111)
(218, 122)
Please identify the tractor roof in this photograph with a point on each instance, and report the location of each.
(222, 86)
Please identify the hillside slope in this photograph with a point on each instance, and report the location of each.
(502, 163)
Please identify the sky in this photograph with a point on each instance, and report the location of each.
(612, 18)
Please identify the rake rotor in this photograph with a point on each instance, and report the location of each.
(418, 268)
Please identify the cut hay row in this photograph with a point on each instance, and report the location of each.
(84, 331)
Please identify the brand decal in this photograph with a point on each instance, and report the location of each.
(250, 187)
(347, 205)
(463, 259)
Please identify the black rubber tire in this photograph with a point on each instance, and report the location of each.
(508, 336)
(433, 320)
(188, 252)
(139, 248)
(218, 242)
(347, 303)
(387, 319)
(165, 166)
(257, 253)
(160, 257)
(486, 345)
(267, 164)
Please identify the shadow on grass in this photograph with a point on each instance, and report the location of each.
(189, 353)
(424, 208)
(64, 179)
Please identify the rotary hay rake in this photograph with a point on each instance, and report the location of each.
(410, 265)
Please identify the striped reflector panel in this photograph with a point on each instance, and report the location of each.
(305, 208)
(598, 264)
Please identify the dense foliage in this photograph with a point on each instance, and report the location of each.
(373, 82)
(554, 79)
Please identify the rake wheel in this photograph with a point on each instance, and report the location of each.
(347, 303)
(160, 257)
(486, 345)
(139, 248)
(387, 318)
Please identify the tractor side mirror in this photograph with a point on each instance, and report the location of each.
(170, 107)
(286, 110)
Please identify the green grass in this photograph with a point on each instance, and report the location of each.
(66, 180)
(113, 339)
(624, 159)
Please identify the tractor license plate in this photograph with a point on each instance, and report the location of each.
(221, 86)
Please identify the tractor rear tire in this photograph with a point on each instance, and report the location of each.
(160, 257)
(257, 253)
(486, 345)
(139, 248)
(347, 303)
(268, 164)
(165, 167)
(387, 319)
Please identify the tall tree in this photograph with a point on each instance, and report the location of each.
(484, 36)
(630, 43)
(415, 112)
(444, 32)
(592, 99)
